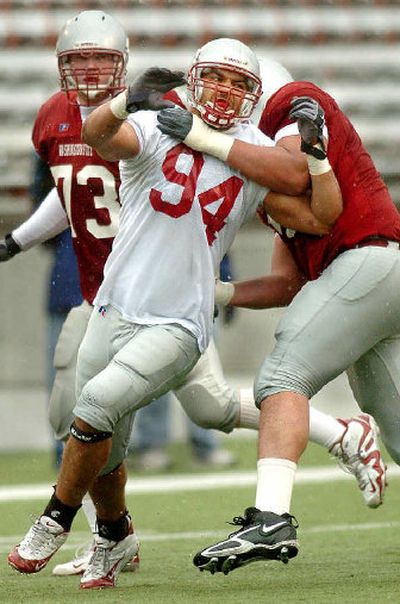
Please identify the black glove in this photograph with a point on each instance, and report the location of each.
(310, 120)
(175, 122)
(8, 248)
(147, 90)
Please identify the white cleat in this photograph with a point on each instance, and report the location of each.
(79, 564)
(41, 542)
(359, 454)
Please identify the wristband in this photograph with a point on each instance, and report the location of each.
(316, 167)
(203, 138)
(118, 106)
(13, 247)
(224, 291)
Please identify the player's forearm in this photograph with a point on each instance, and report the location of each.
(270, 291)
(293, 212)
(326, 198)
(99, 131)
(273, 167)
(278, 168)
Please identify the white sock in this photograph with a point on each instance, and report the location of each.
(90, 512)
(325, 430)
(249, 414)
(275, 478)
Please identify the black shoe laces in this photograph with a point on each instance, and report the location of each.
(292, 520)
(246, 519)
(249, 519)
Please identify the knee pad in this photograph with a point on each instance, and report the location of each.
(208, 409)
(275, 377)
(206, 397)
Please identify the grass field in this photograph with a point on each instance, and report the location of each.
(349, 553)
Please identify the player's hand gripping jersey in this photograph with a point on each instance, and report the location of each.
(368, 209)
(180, 213)
(87, 186)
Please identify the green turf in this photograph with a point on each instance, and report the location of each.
(37, 466)
(349, 554)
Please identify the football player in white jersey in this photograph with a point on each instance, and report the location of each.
(198, 385)
(153, 312)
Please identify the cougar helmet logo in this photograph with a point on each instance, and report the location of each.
(227, 104)
(92, 51)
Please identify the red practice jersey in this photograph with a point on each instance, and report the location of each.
(177, 96)
(368, 208)
(87, 186)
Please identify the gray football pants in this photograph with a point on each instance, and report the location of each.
(62, 397)
(204, 394)
(346, 320)
(123, 366)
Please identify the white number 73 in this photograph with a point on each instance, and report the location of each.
(108, 201)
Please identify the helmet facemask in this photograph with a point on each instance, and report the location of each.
(92, 51)
(220, 112)
(95, 82)
(233, 99)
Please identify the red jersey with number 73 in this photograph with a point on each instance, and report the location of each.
(368, 208)
(87, 186)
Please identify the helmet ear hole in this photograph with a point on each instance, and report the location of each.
(230, 55)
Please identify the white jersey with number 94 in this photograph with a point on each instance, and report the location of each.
(181, 210)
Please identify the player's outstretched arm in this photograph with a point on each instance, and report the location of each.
(277, 168)
(46, 222)
(326, 197)
(106, 130)
(274, 290)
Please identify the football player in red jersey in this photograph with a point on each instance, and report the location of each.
(92, 52)
(343, 289)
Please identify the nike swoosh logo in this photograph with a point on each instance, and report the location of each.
(271, 528)
(79, 567)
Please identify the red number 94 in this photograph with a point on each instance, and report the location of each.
(226, 192)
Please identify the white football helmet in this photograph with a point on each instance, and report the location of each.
(227, 54)
(92, 31)
(273, 76)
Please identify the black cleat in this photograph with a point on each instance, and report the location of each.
(262, 536)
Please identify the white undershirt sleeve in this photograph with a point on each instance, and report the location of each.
(293, 130)
(49, 220)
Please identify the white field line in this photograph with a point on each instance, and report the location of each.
(77, 538)
(188, 482)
